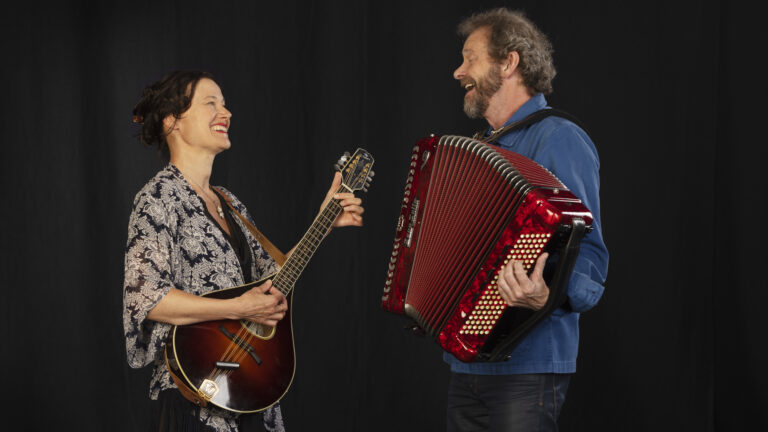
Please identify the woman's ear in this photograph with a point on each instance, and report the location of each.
(169, 123)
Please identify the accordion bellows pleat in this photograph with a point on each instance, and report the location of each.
(468, 208)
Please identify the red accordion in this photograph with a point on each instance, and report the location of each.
(468, 209)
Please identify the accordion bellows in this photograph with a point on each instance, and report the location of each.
(468, 208)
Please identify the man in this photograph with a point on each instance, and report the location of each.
(506, 72)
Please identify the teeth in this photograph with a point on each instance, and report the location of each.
(220, 128)
(468, 86)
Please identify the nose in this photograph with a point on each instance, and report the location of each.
(460, 72)
(224, 112)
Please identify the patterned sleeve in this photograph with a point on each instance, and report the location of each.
(148, 270)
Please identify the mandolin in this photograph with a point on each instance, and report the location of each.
(242, 366)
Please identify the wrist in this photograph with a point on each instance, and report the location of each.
(234, 308)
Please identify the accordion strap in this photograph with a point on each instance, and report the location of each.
(531, 119)
(268, 246)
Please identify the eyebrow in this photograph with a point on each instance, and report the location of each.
(213, 97)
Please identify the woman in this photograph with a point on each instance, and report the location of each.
(184, 241)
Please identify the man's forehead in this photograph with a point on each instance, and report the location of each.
(477, 41)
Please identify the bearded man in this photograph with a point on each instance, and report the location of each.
(506, 72)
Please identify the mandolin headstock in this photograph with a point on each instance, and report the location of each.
(356, 170)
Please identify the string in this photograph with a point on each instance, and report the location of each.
(289, 274)
(316, 233)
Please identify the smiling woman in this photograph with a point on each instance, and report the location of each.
(181, 244)
(186, 239)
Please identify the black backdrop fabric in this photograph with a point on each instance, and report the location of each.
(670, 92)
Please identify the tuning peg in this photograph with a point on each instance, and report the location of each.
(367, 185)
(346, 154)
(365, 190)
(336, 167)
(371, 174)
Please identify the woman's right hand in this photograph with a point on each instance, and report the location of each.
(263, 304)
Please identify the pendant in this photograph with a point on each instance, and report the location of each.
(220, 211)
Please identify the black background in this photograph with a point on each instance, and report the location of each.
(671, 93)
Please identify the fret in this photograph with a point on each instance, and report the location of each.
(295, 264)
(356, 172)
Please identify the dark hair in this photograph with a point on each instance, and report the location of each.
(512, 31)
(172, 95)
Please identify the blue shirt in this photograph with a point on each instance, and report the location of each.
(566, 150)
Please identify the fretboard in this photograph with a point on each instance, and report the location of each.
(286, 278)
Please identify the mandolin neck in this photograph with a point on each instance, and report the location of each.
(289, 273)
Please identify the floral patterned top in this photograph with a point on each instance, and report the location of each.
(173, 243)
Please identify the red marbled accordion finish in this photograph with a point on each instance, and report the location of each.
(473, 206)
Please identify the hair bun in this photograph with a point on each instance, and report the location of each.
(170, 96)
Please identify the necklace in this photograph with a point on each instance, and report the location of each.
(219, 210)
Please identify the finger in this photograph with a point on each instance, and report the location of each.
(336, 181)
(266, 286)
(517, 278)
(356, 209)
(525, 284)
(538, 271)
(350, 220)
(346, 196)
(504, 291)
(281, 306)
(520, 274)
(511, 281)
(351, 202)
(278, 295)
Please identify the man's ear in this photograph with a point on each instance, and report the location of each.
(509, 64)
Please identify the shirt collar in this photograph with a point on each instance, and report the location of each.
(535, 103)
(176, 172)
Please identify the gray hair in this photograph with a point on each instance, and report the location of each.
(512, 31)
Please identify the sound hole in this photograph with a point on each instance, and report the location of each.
(261, 331)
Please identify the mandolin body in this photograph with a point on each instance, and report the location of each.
(234, 364)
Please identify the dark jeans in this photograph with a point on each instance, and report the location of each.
(508, 403)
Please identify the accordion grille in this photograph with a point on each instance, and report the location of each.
(473, 192)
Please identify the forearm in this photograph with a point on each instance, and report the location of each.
(180, 308)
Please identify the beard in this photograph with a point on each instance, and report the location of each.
(485, 87)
